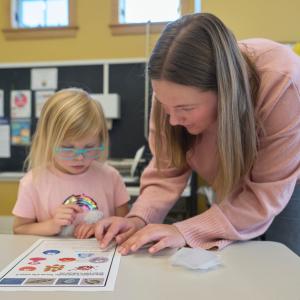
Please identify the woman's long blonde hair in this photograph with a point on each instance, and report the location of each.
(68, 114)
(200, 51)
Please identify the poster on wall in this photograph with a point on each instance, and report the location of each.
(20, 104)
(40, 98)
(20, 132)
(4, 141)
(1, 103)
(44, 79)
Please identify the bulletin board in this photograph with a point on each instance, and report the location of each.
(125, 79)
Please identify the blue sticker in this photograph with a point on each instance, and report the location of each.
(51, 252)
(67, 281)
(12, 281)
(85, 255)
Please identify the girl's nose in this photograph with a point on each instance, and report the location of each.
(79, 157)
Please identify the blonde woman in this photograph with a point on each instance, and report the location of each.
(231, 112)
(67, 174)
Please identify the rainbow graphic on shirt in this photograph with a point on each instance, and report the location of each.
(84, 201)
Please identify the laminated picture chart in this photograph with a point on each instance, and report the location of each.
(64, 265)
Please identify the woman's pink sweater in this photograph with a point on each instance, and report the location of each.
(251, 207)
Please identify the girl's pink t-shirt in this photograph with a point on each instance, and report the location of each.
(39, 196)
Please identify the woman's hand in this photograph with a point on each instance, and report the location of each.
(84, 230)
(117, 228)
(159, 235)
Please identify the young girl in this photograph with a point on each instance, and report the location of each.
(66, 170)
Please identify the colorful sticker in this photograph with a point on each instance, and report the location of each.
(92, 281)
(67, 259)
(98, 260)
(85, 255)
(27, 268)
(12, 281)
(51, 252)
(67, 281)
(53, 268)
(36, 260)
(39, 281)
(84, 268)
(84, 201)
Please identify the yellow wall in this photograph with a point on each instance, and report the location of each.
(278, 20)
(272, 19)
(8, 195)
(93, 40)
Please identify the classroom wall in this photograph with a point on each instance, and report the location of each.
(278, 20)
(8, 195)
(93, 41)
(271, 19)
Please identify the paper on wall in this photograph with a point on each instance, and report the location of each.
(20, 104)
(4, 141)
(20, 131)
(40, 98)
(1, 103)
(44, 79)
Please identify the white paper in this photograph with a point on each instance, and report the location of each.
(64, 265)
(1, 103)
(110, 104)
(4, 141)
(44, 79)
(40, 98)
(20, 104)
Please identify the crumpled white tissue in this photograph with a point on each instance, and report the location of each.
(89, 217)
(195, 258)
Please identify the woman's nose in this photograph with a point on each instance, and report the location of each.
(173, 119)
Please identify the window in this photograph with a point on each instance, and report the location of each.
(41, 13)
(41, 19)
(130, 16)
(131, 11)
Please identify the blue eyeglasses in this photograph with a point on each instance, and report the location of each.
(71, 153)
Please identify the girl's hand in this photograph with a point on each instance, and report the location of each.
(117, 228)
(84, 230)
(64, 215)
(159, 235)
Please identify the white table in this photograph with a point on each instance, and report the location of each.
(251, 270)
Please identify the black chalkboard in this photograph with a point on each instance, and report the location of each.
(125, 79)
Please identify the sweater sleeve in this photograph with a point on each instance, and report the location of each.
(158, 190)
(121, 195)
(251, 207)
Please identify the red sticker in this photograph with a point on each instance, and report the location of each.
(67, 259)
(27, 268)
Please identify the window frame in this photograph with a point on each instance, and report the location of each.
(12, 33)
(118, 28)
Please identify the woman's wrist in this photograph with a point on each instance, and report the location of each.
(139, 222)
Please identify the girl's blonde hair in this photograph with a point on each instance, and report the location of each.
(69, 114)
(199, 50)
